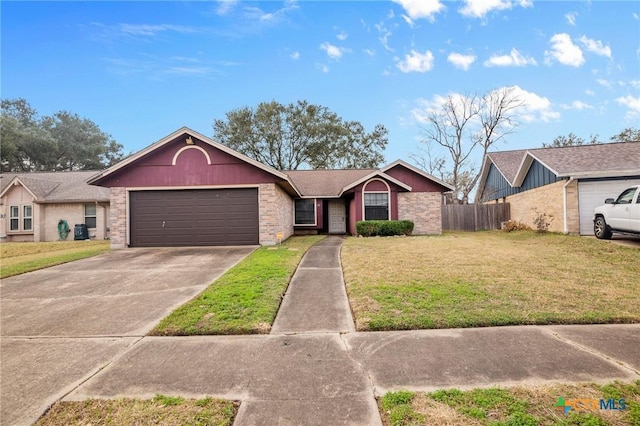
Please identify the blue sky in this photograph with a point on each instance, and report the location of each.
(142, 69)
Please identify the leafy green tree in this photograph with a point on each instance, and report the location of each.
(62, 141)
(569, 140)
(300, 135)
(630, 134)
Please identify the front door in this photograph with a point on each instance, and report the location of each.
(337, 222)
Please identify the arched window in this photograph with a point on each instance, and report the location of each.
(376, 200)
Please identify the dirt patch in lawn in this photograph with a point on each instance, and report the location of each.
(488, 279)
(161, 410)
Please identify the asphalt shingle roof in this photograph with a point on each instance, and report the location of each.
(327, 183)
(59, 187)
(596, 159)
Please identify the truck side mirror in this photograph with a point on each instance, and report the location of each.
(609, 201)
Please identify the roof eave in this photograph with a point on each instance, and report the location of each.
(371, 176)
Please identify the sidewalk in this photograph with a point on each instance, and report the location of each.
(314, 369)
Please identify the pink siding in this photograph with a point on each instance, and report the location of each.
(191, 169)
(415, 181)
(319, 214)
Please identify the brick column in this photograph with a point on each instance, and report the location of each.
(118, 226)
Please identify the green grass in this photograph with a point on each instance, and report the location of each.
(489, 279)
(517, 406)
(18, 258)
(164, 410)
(245, 299)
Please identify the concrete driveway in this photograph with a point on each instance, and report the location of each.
(61, 325)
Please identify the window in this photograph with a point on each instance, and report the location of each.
(376, 206)
(14, 218)
(305, 212)
(626, 197)
(27, 218)
(90, 215)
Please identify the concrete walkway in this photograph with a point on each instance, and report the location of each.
(314, 369)
(316, 300)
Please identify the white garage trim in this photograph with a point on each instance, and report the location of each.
(592, 194)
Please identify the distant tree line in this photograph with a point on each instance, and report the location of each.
(61, 141)
(630, 134)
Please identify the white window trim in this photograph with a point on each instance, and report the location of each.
(11, 218)
(315, 213)
(20, 217)
(25, 217)
(85, 215)
(388, 192)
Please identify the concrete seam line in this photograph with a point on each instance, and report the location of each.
(89, 376)
(245, 393)
(609, 359)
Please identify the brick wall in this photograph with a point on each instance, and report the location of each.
(118, 214)
(527, 205)
(423, 208)
(276, 214)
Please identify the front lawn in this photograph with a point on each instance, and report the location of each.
(492, 278)
(244, 300)
(518, 406)
(18, 258)
(161, 410)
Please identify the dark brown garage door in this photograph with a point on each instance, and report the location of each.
(198, 217)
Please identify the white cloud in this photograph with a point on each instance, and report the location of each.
(416, 62)
(152, 30)
(295, 56)
(342, 36)
(322, 67)
(421, 9)
(461, 61)
(596, 46)
(635, 16)
(579, 105)
(370, 52)
(334, 52)
(480, 8)
(564, 51)
(384, 33)
(603, 82)
(255, 13)
(589, 92)
(225, 6)
(571, 18)
(632, 103)
(513, 59)
(535, 107)
(635, 84)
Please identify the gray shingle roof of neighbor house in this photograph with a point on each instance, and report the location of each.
(593, 160)
(57, 187)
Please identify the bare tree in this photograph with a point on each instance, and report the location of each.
(465, 125)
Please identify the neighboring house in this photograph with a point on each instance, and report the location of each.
(564, 183)
(32, 204)
(187, 189)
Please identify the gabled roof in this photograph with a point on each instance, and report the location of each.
(56, 187)
(189, 132)
(416, 170)
(581, 161)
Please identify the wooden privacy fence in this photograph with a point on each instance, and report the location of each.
(474, 217)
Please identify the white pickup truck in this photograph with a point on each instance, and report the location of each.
(621, 215)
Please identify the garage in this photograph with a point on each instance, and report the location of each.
(194, 217)
(592, 194)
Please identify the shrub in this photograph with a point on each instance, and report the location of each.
(512, 225)
(384, 228)
(542, 221)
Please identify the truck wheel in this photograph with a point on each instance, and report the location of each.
(601, 229)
